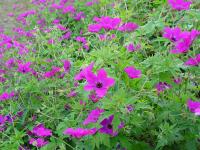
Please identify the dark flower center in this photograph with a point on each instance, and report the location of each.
(23, 70)
(109, 126)
(173, 39)
(99, 85)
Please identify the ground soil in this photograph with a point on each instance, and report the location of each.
(11, 6)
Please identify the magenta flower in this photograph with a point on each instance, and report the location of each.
(5, 96)
(67, 35)
(41, 131)
(177, 80)
(182, 40)
(69, 9)
(80, 132)
(105, 22)
(61, 27)
(131, 47)
(90, 3)
(81, 39)
(193, 61)
(187, 38)
(52, 73)
(67, 65)
(100, 83)
(94, 28)
(24, 68)
(56, 21)
(39, 142)
(129, 108)
(93, 116)
(56, 6)
(179, 4)
(51, 41)
(173, 34)
(194, 107)
(2, 79)
(132, 72)
(72, 93)
(121, 125)
(3, 120)
(81, 75)
(79, 16)
(128, 27)
(107, 127)
(161, 86)
(93, 97)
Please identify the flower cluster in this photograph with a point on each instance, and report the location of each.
(5, 96)
(41, 132)
(179, 4)
(181, 39)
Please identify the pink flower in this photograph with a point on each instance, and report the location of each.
(128, 27)
(81, 75)
(72, 93)
(132, 72)
(81, 39)
(100, 83)
(39, 142)
(61, 27)
(10, 63)
(131, 47)
(2, 79)
(182, 40)
(193, 61)
(109, 23)
(194, 107)
(10, 14)
(24, 68)
(51, 73)
(94, 28)
(93, 116)
(69, 9)
(3, 120)
(79, 132)
(102, 37)
(93, 97)
(177, 80)
(51, 41)
(67, 35)
(107, 127)
(129, 108)
(79, 16)
(183, 45)
(173, 34)
(90, 3)
(161, 86)
(63, 2)
(41, 131)
(5, 96)
(179, 4)
(56, 21)
(56, 6)
(105, 22)
(67, 65)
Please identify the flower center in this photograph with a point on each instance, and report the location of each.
(173, 39)
(23, 70)
(109, 126)
(99, 85)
